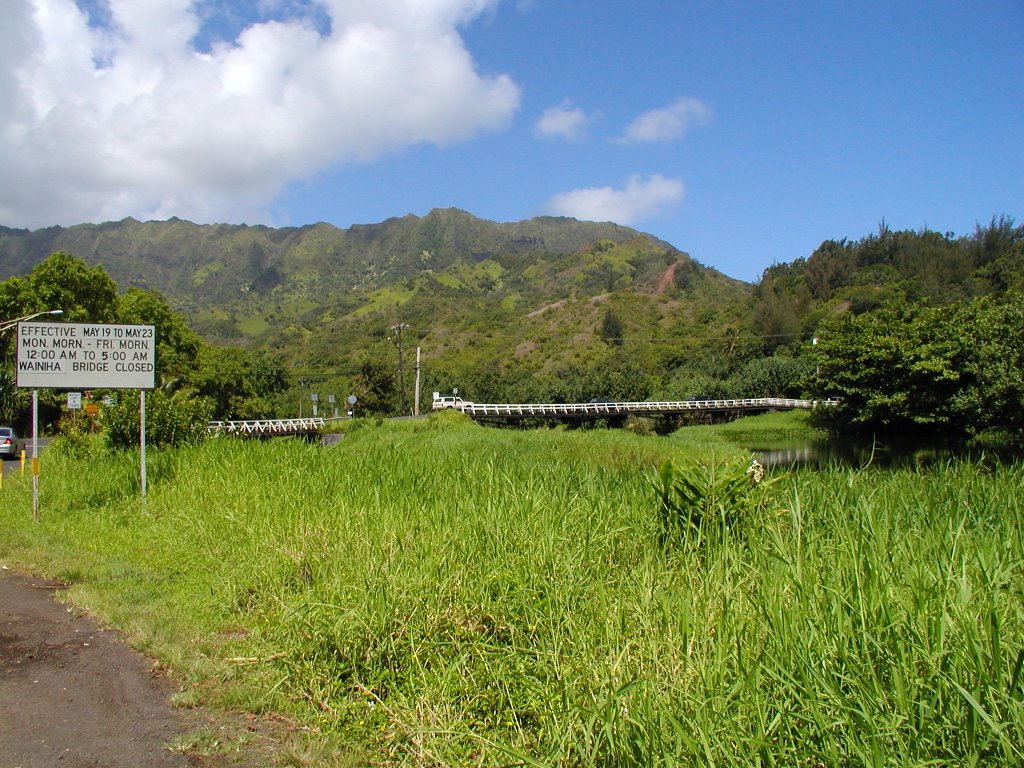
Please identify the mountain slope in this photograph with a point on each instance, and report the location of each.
(470, 291)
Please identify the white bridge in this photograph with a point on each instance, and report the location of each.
(313, 426)
(601, 408)
(266, 427)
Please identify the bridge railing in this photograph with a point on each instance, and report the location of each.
(265, 427)
(625, 408)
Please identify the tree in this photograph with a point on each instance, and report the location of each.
(893, 369)
(375, 386)
(12, 400)
(611, 328)
(62, 281)
(954, 371)
(769, 377)
(996, 365)
(240, 383)
(177, 345)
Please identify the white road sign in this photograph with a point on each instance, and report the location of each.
(86, 356)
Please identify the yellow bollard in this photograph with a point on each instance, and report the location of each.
(23, 461)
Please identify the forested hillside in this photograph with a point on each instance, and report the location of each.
(549, 299)
(889, 267)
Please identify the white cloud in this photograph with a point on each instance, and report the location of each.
(101, 122)
(667, 123)
(642, 198)
(562, 122)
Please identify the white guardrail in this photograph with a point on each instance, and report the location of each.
(265, 427)
(612, 409)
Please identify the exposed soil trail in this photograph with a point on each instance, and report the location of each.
(73, 694)
(666, 279)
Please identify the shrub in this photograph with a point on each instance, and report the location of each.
(640, 425)
(171, 420)
(75, 440)
(707, 500)
(78, 445)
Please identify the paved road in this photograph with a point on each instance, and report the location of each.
(13, 466)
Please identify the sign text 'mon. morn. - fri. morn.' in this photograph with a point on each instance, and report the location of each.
(86, 356)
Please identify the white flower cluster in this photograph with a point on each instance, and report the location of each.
(756, 471)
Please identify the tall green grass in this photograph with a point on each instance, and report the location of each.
(444, 594)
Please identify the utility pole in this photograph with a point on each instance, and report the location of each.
(416, 398)
(397, 329)
(302, 384)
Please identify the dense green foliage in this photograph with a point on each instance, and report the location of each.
(178, 346)
(535, 301)
(955, 371)
(444, 594)
(240, 383)
(61, 281)
(171, 420)
(915, 268)
(917, 332)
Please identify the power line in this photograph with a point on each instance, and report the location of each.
(738, 337)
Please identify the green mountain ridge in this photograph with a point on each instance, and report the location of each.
(470, 291)
(550, 300)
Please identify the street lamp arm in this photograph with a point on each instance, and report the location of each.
(8, 324)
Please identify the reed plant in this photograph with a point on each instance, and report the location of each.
(445, 594)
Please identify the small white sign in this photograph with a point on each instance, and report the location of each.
(86, 356)
(74, 401)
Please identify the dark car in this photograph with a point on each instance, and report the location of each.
(10, 445)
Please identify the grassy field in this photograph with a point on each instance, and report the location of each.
(438, 593)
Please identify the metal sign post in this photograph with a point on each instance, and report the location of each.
(74, 405)
(84, 356)
(35, 455)
(142, 442)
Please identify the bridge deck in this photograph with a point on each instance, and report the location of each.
(282, 427)
(585, 410)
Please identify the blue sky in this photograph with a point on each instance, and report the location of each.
(741, 133)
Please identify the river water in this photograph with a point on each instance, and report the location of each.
(852, 453)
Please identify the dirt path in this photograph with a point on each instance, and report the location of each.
(666, 279)
(74, 695)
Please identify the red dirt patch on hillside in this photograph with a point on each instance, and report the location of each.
(666, 279)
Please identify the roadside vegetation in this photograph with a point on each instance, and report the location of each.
(440, 593)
